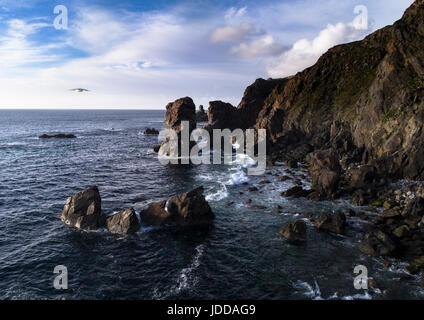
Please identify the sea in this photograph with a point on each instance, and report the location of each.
(241, 256)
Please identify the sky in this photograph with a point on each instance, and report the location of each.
(143, 54)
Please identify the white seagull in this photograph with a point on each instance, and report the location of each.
(79, 90)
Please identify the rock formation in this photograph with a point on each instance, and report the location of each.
(125, 222)
(83, 210)
(57, 136)
(294, 232)
(151, 131)
(187, 209)
(181, 110)
(364, 98)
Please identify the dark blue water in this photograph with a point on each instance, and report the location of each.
(240, 257)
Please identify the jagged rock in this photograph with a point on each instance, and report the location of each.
(377, 243)
(333, 222)
(57, 136)
(253, 100)
(291, 164)
(295, 192)
(415, 207)
(83, 210)
(401, 232)
(180, 110)
(151, 131)
(222, 115)
(294, 232)
(177, 112)
(187, 209)
(125, 222)
(325, 170)
(156, 214)
(363, 176)
(371, 90)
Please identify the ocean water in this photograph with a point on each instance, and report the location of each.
(240, 257)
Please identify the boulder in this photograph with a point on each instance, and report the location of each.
(187, 209)
(151, 131)
(57, 136)
(125, 222)
(377, 243)
(332, 222)
(291, 163)
(156, 214)
(83, 210)
(294, 232)
(363, 176)
(415, 208)
(325, 171)
(295, 192)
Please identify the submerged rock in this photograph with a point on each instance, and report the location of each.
(83, 210)
(332, 222)
(187, 209)
(294, 232)
(295, 192)
(58, 136)
(125, 222)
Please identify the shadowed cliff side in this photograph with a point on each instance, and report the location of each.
(364, 99)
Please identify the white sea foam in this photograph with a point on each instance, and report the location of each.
(219, 195)
(186, 279)
(238, 177)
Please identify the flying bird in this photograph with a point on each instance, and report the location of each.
(79, 90)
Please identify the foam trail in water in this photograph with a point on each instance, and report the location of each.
(219, 195)
(185, 279)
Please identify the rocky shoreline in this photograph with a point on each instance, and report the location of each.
(355, 120)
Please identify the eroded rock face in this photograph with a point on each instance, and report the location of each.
(83, 210)
(365, 99)
(125, 222)
(325, 170)
(294, 232)
(180, 110)
(187, 209)
(222, 115)
(332, 222)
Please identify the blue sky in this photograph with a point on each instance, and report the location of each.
(143, 54)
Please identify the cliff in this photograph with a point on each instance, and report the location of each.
(364, 98)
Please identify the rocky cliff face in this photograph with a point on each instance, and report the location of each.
(364, 99)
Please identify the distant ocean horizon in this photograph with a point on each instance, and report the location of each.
(241, 256)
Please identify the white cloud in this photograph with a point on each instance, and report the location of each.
(17, 50)
(305, 53)
(231, 33)
(264, 46)
(234, 13)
